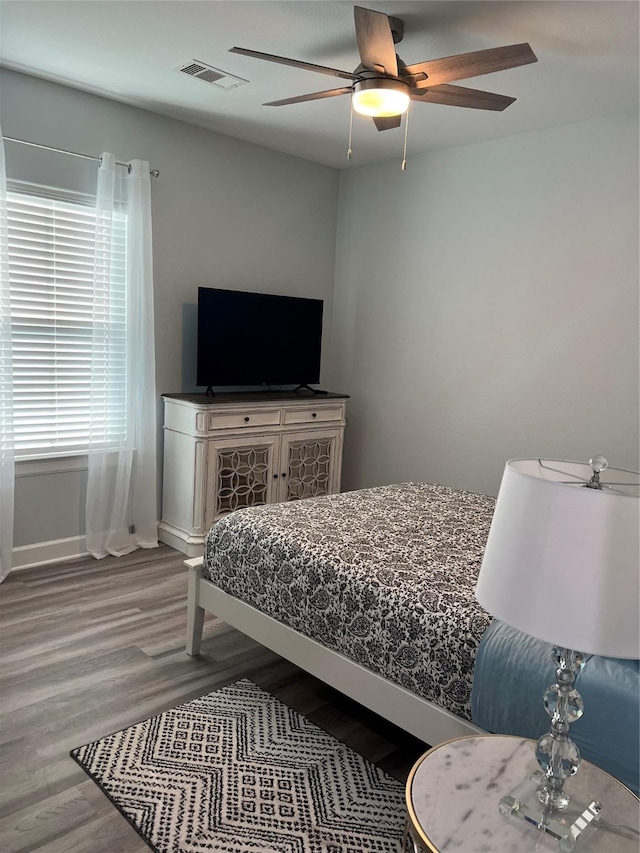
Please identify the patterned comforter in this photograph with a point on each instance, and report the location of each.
(385, 576)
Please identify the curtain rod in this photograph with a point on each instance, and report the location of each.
(153, 172)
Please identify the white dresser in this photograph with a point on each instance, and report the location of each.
(231, 451)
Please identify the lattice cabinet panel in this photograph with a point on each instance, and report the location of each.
(309, 463)
(240, 474)
(243, 478)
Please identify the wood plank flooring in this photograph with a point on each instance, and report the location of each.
(89, 647)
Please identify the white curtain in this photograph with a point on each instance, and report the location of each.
(6, 396)
(121, 490)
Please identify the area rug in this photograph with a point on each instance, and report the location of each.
(240, 772)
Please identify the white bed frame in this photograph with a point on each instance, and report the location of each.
(424, 719)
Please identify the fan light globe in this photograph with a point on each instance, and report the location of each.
(380, 97)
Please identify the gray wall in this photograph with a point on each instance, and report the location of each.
(225, 214)
(486, 307)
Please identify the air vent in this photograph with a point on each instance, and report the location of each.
(209, 74)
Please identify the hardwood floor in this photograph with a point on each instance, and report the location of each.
(89, 647)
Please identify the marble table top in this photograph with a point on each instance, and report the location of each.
(453, 793)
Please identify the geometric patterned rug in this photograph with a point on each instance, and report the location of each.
(237, 771)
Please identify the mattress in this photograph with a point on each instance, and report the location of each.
(385, 576)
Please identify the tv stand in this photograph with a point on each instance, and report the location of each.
(244, 449)
(210, 392)
(306, 387)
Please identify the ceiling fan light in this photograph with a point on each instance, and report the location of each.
(380, 97)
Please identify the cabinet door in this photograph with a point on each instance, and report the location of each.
(310, 464)
(241, 472)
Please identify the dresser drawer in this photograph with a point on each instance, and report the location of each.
(321, 414)
(238, 420)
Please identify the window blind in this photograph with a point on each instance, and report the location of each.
(67, 282)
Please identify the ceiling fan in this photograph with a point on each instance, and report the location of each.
(382, 86)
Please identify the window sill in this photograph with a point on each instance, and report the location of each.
(50, 465)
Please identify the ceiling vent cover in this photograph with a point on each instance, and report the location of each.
(209, 74)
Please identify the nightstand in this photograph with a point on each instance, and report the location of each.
(453, 793)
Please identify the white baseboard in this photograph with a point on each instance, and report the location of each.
(54, 551)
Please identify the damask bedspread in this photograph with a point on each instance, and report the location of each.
(385, 576)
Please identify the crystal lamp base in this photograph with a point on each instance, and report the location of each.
(567, 825)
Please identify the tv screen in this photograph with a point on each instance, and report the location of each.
(257, 338)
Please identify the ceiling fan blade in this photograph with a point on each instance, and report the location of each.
(388, 122)
(314, 96)
(472, 64)
(296, 63)
(375, 41)
(459, 96)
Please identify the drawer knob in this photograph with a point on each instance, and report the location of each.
(246, 420)
(314, 414)
(275, 476)
(284, 474)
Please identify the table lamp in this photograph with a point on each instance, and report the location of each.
(562, 565)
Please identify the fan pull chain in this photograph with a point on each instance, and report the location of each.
(406, 131)
(349, 151)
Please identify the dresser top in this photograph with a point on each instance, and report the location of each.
(257, 397)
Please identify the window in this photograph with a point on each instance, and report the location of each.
(67, 281)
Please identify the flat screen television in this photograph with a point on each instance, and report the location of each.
(251, 339)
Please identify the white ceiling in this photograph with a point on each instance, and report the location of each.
(128, 51)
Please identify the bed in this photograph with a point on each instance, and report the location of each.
(372, 591)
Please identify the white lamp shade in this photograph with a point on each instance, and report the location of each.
(562, 562)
